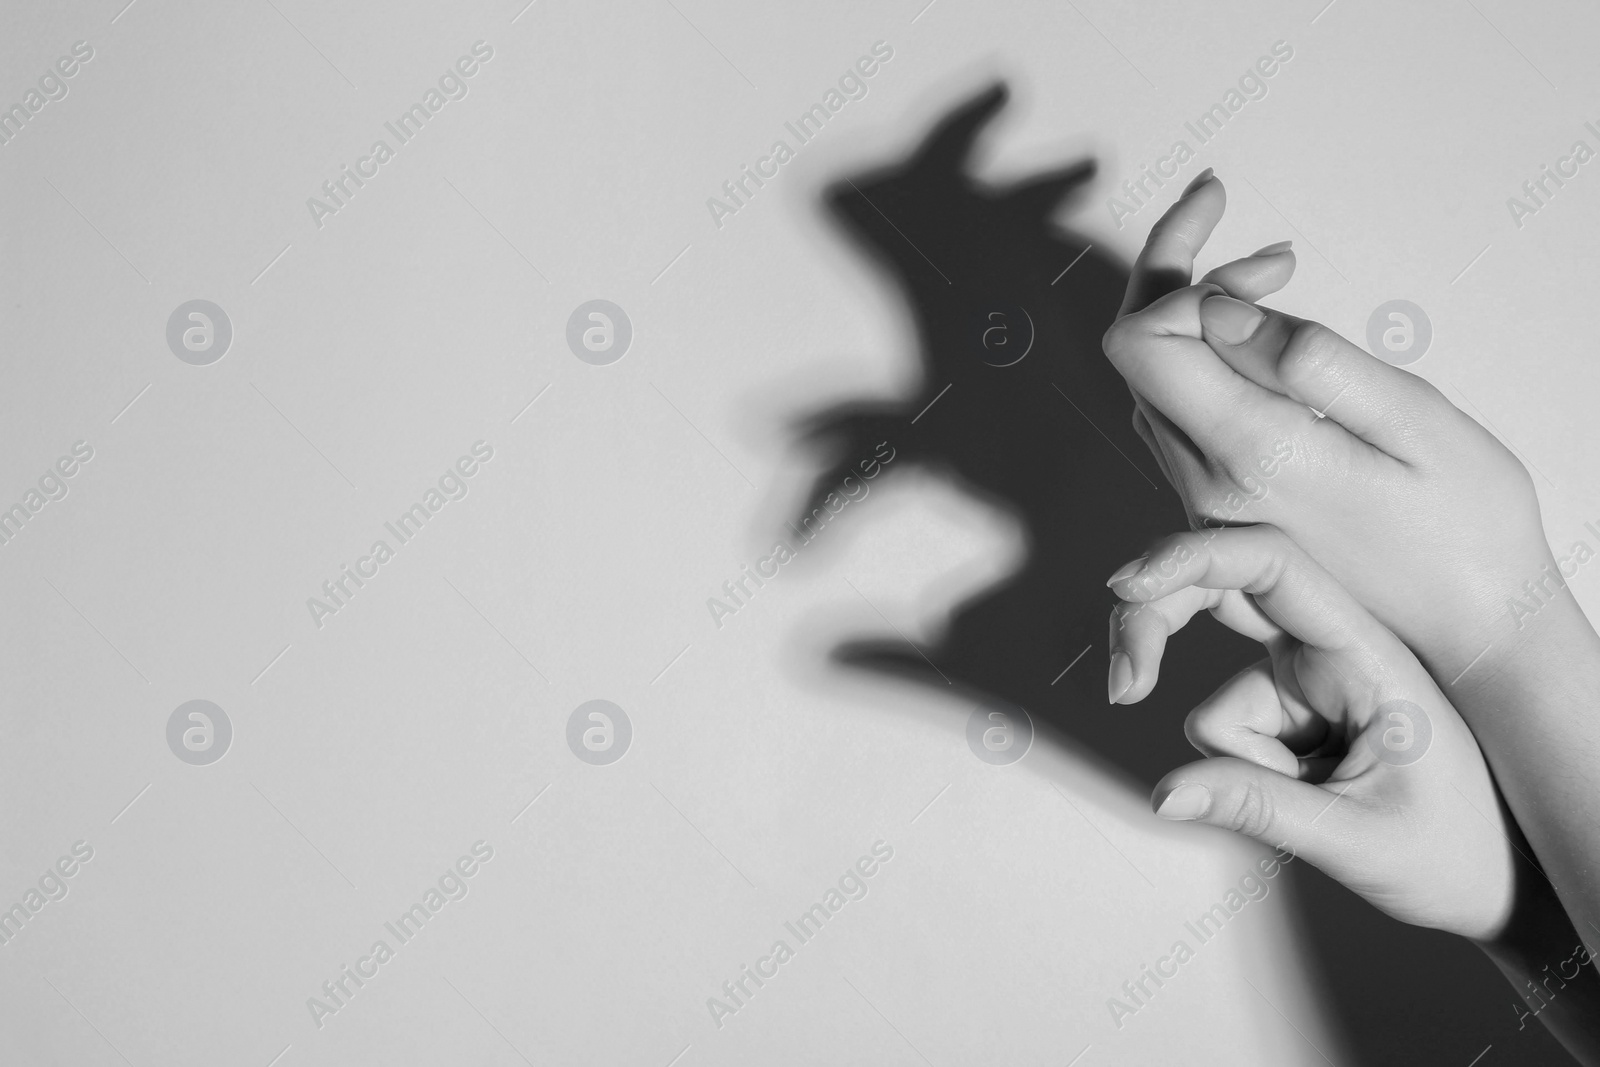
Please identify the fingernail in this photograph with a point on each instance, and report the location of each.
(1188, 801)
(1199, 180)
(1127, 570)
(1230, 321)
(1272, 250)
(1120, 678)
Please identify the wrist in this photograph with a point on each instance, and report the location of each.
(1524, 660)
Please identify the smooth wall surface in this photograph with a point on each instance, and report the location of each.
(408, 757)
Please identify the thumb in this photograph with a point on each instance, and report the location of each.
(1313, 822)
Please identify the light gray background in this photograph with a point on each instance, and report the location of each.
(370, 353)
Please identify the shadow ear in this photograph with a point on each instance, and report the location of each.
(949, 145)
(1038, 197)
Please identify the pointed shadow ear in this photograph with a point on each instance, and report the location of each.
(949, 146)
(1039, 196)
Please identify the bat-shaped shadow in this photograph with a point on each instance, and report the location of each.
(1027, 415)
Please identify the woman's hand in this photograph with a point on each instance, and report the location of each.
(1337, 746)
(1415, 508)
(1423, 515)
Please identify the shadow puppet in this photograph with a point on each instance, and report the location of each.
(1019, 407)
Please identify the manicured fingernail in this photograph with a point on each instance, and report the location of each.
(1199, 180)
(1230, 321)
(1188, 801)
(1272, 250)
(1127, 570)
(1120, 678)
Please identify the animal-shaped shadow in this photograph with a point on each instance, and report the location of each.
(1019, 407)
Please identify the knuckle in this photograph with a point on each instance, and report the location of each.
(1177, 233)
(1430, 398)
(1511, 477)
(1134, 622)
(1307, 353)
(1166, 559)
(1238, 465)
(1121, 337)
(1234, 486)
(1252, 812)
(1202, 726)
(1520, 477)
(1424, 416)
(1278, 549)
(1274, 542)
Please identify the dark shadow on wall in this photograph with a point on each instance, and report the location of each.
(1019, 408)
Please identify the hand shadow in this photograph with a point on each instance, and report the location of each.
(1019, 407)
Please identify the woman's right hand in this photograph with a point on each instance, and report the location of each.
(1258, 416)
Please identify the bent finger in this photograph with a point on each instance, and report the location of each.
(1246, 718)
(1139, 632)
(1294, 590)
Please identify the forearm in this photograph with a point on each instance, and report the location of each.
(1551, 969)
(1533, 701)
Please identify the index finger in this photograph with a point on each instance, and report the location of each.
(1291, 588)
(1166, 262)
